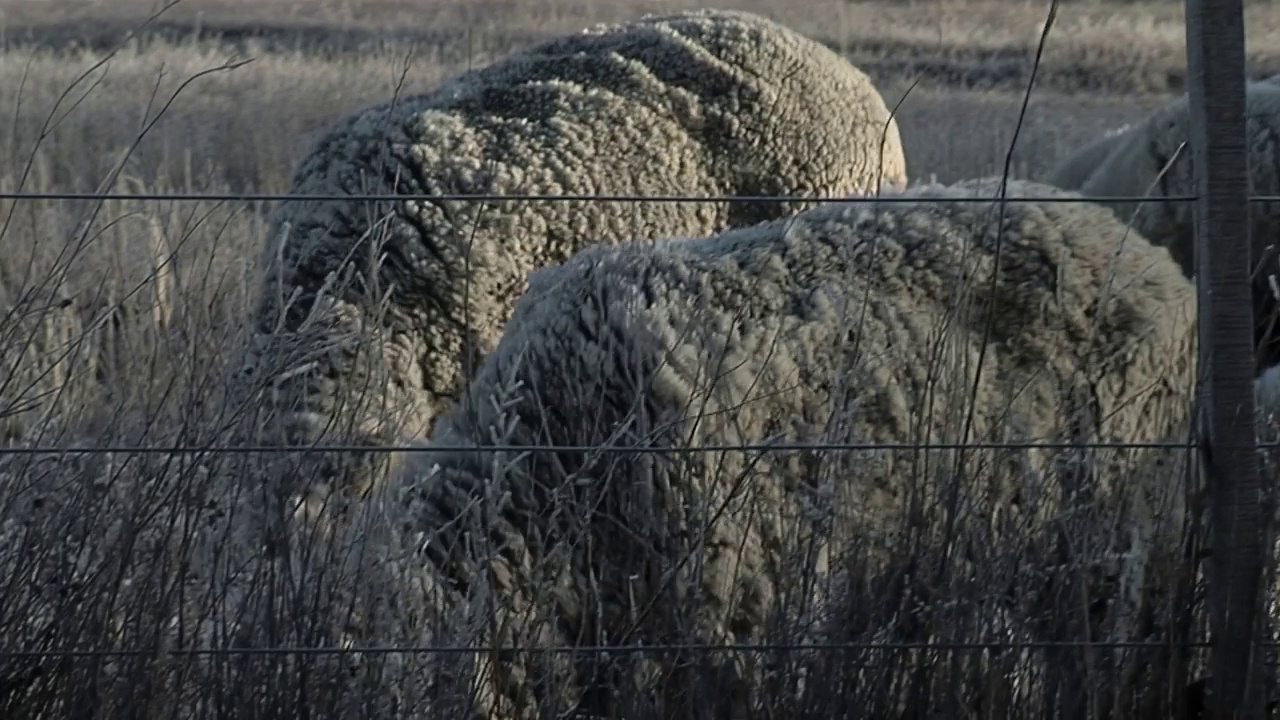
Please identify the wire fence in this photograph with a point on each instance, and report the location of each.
(888, 199)
(622, 648)
(1223, 444)
(609, 449)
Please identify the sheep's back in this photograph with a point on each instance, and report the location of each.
(1072, 172)
(703, 103)
(877, 314)
(850, 323)
(785, 114)
(1155, 161)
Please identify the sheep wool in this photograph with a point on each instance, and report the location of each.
(1151, 160)
(1072, 172)
(374, 314)
(857, 322)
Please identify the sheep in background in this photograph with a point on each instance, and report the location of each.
(1072, 172)
(1150, 159)
(374, 314)
(848, 323)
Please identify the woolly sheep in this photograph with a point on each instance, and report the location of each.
(705, 102)
(846, 323)
(1134, 168)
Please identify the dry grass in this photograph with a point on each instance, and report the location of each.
(107, 546)
(246, 127)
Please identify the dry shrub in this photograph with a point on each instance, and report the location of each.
(119, 317)
(137, 305)
(39, 334)
(132, 552)
(91, 289)
(101, 547)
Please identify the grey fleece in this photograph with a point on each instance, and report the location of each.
(846, 323)
(1134, 168)
(698, 103)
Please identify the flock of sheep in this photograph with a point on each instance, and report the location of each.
(631, 335)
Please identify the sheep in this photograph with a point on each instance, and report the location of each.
(1072, 172)
(857, 322)
(1151, 160)
(375, 315)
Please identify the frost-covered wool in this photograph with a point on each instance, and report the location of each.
(698, 103)
(1072, 172)
(1133, 169)
(848, 323)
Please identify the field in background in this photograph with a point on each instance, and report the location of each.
(225, 96)
(313, 61)
(160, 289)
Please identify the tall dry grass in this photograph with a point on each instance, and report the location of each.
(121, 324)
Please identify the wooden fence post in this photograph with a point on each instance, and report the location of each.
(1228, 440)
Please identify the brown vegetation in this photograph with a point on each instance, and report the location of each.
(119, 550)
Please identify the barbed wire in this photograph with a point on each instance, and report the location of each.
(517, 197)
(613, 649)
(608, 449)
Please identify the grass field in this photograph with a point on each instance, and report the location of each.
(312, 62)
(223, 96)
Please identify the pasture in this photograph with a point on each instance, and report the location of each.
(222, 97)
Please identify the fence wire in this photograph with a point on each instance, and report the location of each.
(608, 449)
(516, 197)
(616, 649)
